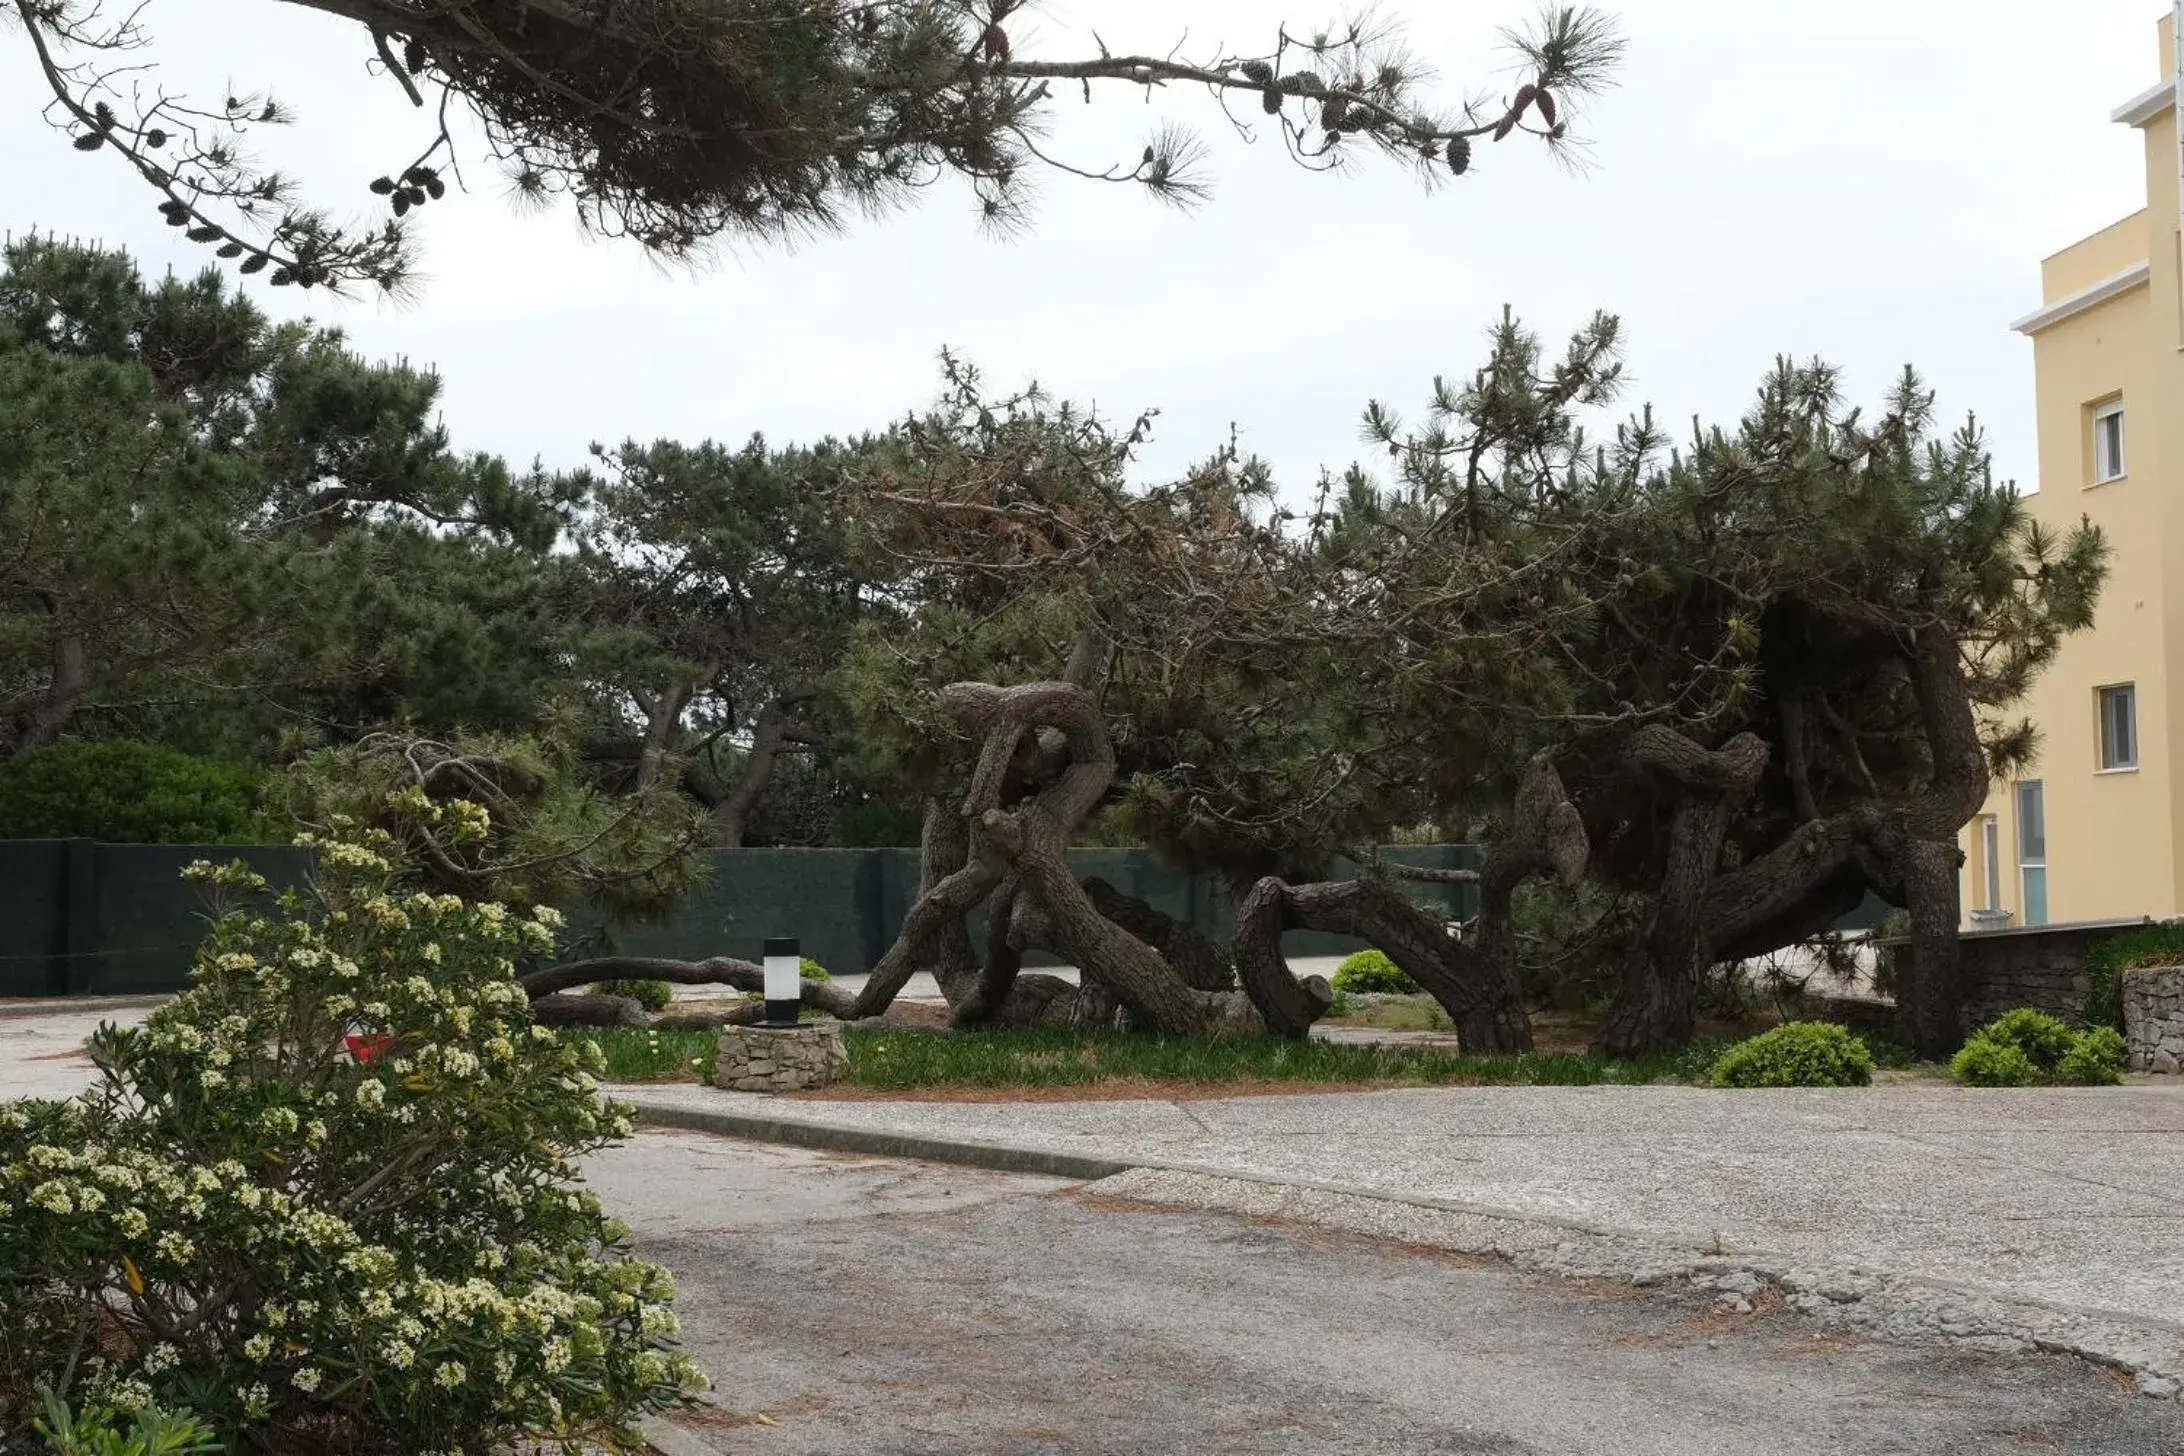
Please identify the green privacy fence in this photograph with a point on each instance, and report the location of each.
(85, 919)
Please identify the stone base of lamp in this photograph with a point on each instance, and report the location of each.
(780, 1059)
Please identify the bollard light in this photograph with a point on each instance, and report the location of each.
(784, 982)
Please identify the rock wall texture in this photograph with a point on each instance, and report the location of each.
(2153, 1018)
(787, 1059)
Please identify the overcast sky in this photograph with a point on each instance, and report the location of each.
(1871, 181)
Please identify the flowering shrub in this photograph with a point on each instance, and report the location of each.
(313, 1252)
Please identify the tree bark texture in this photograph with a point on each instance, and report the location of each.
(1930, 996)
(567, 1010)
(1482, 998)
(718, 971)
(1019, 832)
(1656, 1006)
(1195, 958)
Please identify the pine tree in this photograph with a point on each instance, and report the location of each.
(681, 122)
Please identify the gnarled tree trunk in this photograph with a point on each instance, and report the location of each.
(1656, 1007)
(719, 971)
(1180, 943)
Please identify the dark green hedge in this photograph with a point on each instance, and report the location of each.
(125, 792)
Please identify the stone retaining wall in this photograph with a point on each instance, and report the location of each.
(784, 1059)
(2038, 966)
(2153, 1018)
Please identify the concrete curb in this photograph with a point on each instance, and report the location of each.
(995, 1157)
(79, 1005)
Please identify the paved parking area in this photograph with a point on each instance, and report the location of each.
(2070, 1198)
(848, 1305)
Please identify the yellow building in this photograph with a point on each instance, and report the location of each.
(2096, 828)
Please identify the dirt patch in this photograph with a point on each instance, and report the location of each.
(720, 1417)
(1822, 1343)
(1107, 1089)
(79, 1054)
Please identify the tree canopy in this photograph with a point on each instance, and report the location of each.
(1743, 683)
(678, 123)
(207, 516)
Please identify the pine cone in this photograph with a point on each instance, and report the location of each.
(1459, 155)
(90, 141)
(1525, 94)
(229, 250)
(413, 56)
(205, 234)
(1271, 100)
(255, 262)
(1546, 103)
(1304, 83)
(1507, 125)
(382, 185)
(1333, 113)
(1259, 73)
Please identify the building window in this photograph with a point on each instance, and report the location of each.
(2032, 849)
(2108, 442)
(2119, 727)
(1990, 856)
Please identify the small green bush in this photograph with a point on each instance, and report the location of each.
(124, 792)
(811, 970)
(1371, 973)
(1985, 1062)
(2045, 1040)
(652, 995)
(2095, 1059)
(1796, 1054)
(98, 1430)
(2105, 964)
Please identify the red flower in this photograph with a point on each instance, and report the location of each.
(366, 1046)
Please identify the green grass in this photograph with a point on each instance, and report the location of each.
(1407, 1013)
(1068, 1057)
(1063, 1057)
(649, 1056)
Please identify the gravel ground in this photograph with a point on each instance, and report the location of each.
(851, 1305)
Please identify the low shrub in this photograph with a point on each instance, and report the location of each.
(124, 792)
(1372, 973)
(2105, 964)
(1796, 1054)
(811, 970)
(99, 1430)
(2045, 1040)
(652, 995)
(2095, 1059)
(1985, 1062)
(328, 1197)
(2027, 1048)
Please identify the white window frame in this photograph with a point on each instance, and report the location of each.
(2110, 760)
(2027, 865)
(1990, 854)
(2102, 413)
